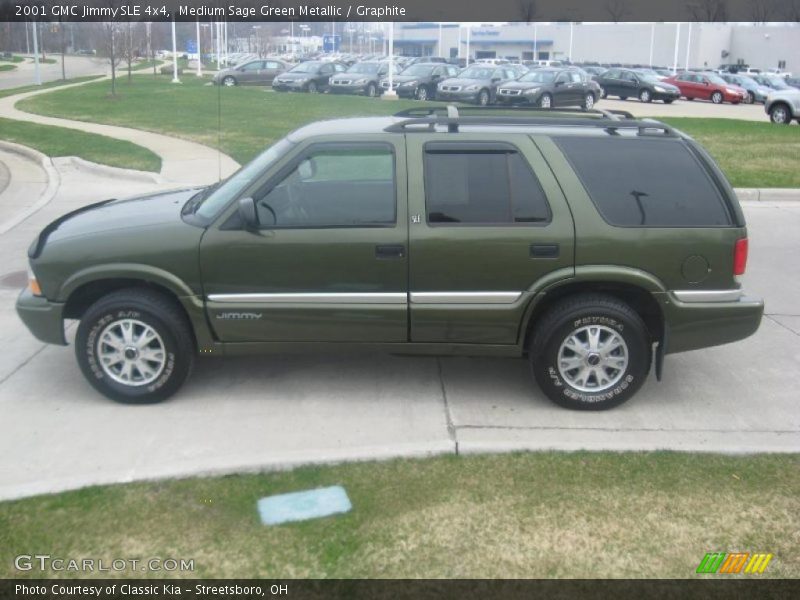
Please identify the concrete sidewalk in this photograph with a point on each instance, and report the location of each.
(182, 162)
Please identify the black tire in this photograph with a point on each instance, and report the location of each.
(153, 309)
(483, 98)
(780, 114)
(751, 98)
(645, 96)
(546, 101)
(604, 93)
(690, 99)
(311, 88)
(623, 97)
(422, 94)
(588, 101)
(571, 315)
(229, 81)
(717, 98)
(372, 90)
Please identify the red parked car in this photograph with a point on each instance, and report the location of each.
(707, 86)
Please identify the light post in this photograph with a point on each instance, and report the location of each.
(652, 42)
(174, 55)
(570, 40)
(688, 44)
(439, 47)
(199, 53)
(390, 94)
(469, 29)
(677, 39)
(37, 74)
(535, 43)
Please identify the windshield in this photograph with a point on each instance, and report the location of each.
(364, 68)
(418, 70)
(716, 79)
(539, 76)
(225, 191)
(778, 83)
(306, 67)
(476, 73)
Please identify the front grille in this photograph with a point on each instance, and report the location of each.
(451, 88)
(385, 85)
(341, 82)
(506, 92)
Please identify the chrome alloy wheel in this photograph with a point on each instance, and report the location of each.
(593, 358)
(131, 352)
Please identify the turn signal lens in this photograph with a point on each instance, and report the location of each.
(33, 284)
(740, 257)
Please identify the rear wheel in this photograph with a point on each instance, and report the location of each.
(645, 96)
(135, 346)
(751, 98)
(779, 114)
(717, 98)
(421, 93)
(372, 90)
(590, 352)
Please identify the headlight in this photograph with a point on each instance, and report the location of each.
(409, 83)
(731, 91)
(360, 82)
(658, 88)
(530, 91)
(471, 88)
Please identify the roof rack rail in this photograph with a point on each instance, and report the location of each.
(426, 111)
(432, 116)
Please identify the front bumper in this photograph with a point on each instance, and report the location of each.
(694, 325)
(406, 91)
(348, 89)
(289, 87)
(520, 99)
(666, 95)
(43, 318)
(460, 96)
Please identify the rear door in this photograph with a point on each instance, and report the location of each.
(488, 221)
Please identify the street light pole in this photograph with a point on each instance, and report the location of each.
(439, 47)
(688, 44)
(652, 42)
(199, 51)
(677, 40)
(174, 55)
(390, 94)
(570, 40)
(469, 29)
(37, 74)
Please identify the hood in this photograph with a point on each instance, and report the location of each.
(404, 78)
(464, 82)
(522, 85)
(667, 86)
(110, 215)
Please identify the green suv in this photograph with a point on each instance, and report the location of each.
(590, 243)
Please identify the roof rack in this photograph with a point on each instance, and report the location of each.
(609, 120)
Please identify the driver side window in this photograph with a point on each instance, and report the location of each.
(333, 185)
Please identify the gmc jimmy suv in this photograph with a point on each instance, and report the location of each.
(591, 243)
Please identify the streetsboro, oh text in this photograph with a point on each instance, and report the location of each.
(289, 11)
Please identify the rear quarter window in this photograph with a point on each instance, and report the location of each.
(646, 182)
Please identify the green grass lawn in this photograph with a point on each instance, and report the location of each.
(7, 67)
(60, 141)
(242, 121)
(15, 58)
(518, 515)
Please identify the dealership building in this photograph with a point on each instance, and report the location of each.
(774, 45)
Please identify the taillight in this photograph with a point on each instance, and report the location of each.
(740, 257)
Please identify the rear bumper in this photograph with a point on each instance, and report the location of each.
(694, 325)
(43, 318)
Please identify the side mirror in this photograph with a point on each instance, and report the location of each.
(248, 213)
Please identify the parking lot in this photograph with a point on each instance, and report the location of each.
(276, 411)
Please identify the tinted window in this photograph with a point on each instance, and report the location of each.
(481, 186)
(333, 186)
(646, 182)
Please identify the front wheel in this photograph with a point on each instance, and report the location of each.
(483, 98)
(751, 98)
(644, 96)
(421, 93)
(312, 87)
(372, 90)
(717, 98)
(135, 346)
(779, 114)
(669, 101)
(229, 81)
(588, 102)
(590, 352)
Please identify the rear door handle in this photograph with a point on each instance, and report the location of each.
(390, 251)
(544, 251)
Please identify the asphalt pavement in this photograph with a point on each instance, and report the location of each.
(74, 66)
(272, 412)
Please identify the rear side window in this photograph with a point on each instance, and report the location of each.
(646, 182)
(476, 184)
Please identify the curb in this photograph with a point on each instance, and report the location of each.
(109, 171)
(767, 194)
(53, 182)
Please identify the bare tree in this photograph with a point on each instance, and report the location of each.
(528, 10)
(708, 10)
(761, 11)
(617, 10)
(131, 46)
(108, 46)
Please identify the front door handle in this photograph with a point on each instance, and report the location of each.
(544, 251)
(390, 251)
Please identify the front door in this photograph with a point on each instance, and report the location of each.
(328, 262)
(488, 222)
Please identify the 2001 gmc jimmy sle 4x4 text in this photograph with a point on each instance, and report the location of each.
(593, 244)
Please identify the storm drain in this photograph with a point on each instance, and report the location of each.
(15, 280)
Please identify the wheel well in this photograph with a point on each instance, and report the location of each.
(780, 103)
(89, 293)
(637, 298)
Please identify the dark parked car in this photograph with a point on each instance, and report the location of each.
(755, 91)
(252, 72)
(773, 82)
(477, 84)
(707, 86)
(312, 76)
(549, 87)
(407, 235)
(362, 78)
(627, 83)
(420, 80)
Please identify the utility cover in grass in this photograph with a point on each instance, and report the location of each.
(301, 506)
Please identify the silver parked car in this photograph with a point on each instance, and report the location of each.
(783, 106)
